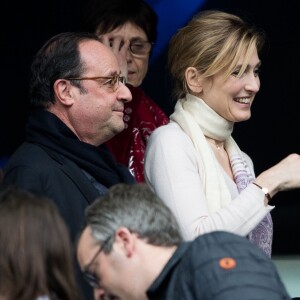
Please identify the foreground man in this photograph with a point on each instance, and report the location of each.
(131, 249)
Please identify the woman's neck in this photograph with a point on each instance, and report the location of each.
(218, 144)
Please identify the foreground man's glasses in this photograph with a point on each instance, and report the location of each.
(112, 81)
(90, 277)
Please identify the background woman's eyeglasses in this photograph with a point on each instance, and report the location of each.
(140, 47)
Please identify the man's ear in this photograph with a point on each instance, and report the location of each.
(193, 80)
(126, 240)
(63, 92)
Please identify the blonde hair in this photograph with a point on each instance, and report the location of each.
(211, 42)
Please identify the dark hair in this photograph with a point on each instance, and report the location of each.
(137, 208)
(36, 255)
(106, 15)
(58, 58)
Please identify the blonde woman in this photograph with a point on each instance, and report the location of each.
(193, 163)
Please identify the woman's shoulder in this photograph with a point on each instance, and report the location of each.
(170, 132)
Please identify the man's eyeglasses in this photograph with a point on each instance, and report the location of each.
(140, 47)
(111, 81)
(90, 277)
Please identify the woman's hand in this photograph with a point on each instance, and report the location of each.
(119, 48)
(284, 176)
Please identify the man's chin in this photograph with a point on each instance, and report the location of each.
(118, 129)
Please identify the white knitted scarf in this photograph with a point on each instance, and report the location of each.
(198, 120)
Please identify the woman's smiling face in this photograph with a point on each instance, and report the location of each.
(232, 98)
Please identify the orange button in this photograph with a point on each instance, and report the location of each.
(227, 263)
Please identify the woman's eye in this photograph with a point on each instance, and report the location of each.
(235, 73)
(257, 72)
(137, 45)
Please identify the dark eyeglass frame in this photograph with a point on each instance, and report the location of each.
(138, 42)
(90, 277)
(114, 84)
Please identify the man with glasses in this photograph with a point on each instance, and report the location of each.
(129, 28)
(77, 96)
(131, 248)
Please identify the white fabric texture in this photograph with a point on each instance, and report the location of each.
(181, 168)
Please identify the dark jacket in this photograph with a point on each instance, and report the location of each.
(218, 266)
(52, 175)
(54, 163)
